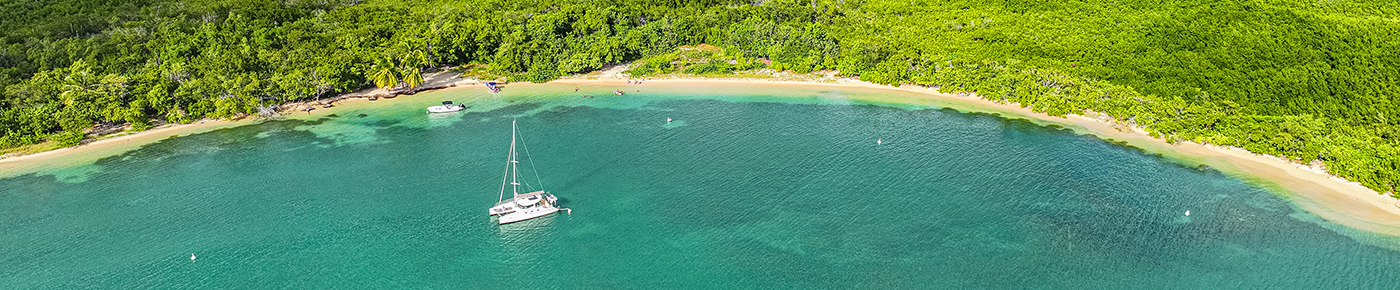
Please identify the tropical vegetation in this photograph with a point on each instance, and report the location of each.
(1315, 82)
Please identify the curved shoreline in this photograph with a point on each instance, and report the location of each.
(1327, 196)
(90, 152)
(1322, 194)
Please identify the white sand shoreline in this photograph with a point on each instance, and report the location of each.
(1323, 194)
(1328, 196)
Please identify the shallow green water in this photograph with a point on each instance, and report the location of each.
(753, 191)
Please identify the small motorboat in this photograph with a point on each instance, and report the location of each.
(493, 87)
(446, 107)
(617, 92)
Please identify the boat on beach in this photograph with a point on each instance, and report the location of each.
(493, 87)
(521, 206)
(446, 107)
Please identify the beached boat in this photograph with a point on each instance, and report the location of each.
(493, 87)
(521, 206)
(446, 107)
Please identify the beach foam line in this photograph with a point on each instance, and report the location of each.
(1328, 196)
(1325, 195)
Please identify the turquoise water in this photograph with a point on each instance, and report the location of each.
(743, 190)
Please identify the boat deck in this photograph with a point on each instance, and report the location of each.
(541, 192)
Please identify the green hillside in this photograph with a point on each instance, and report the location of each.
(1312, 81)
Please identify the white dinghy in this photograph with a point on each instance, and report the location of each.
(446, 107)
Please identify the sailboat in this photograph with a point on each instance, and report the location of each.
(521, 206)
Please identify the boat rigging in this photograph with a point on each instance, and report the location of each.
(521, 206)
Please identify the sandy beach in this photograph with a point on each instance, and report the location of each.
(88, 153)
(1325, 195)
(126, 141)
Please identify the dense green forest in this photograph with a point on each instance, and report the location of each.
(1311, 81)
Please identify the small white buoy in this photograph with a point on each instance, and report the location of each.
(879, 141)
(1188, 212)
(191, 257)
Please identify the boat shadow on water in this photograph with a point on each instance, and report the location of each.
(526, 229)
(445, 119)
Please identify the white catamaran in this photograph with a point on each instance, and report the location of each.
(521, 206)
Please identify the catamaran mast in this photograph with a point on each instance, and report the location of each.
(514, 168)
(510, 167)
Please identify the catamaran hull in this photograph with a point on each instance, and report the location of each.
(526, 214)
(520, 206)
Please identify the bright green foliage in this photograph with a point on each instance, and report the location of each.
(384, 74)
(1311, 81)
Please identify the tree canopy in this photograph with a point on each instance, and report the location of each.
(1310, 81)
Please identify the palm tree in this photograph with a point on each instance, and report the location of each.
(410, 68)
(79, 83)
(413, 77)
(384, 75)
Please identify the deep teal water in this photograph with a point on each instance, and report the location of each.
(739, 192)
